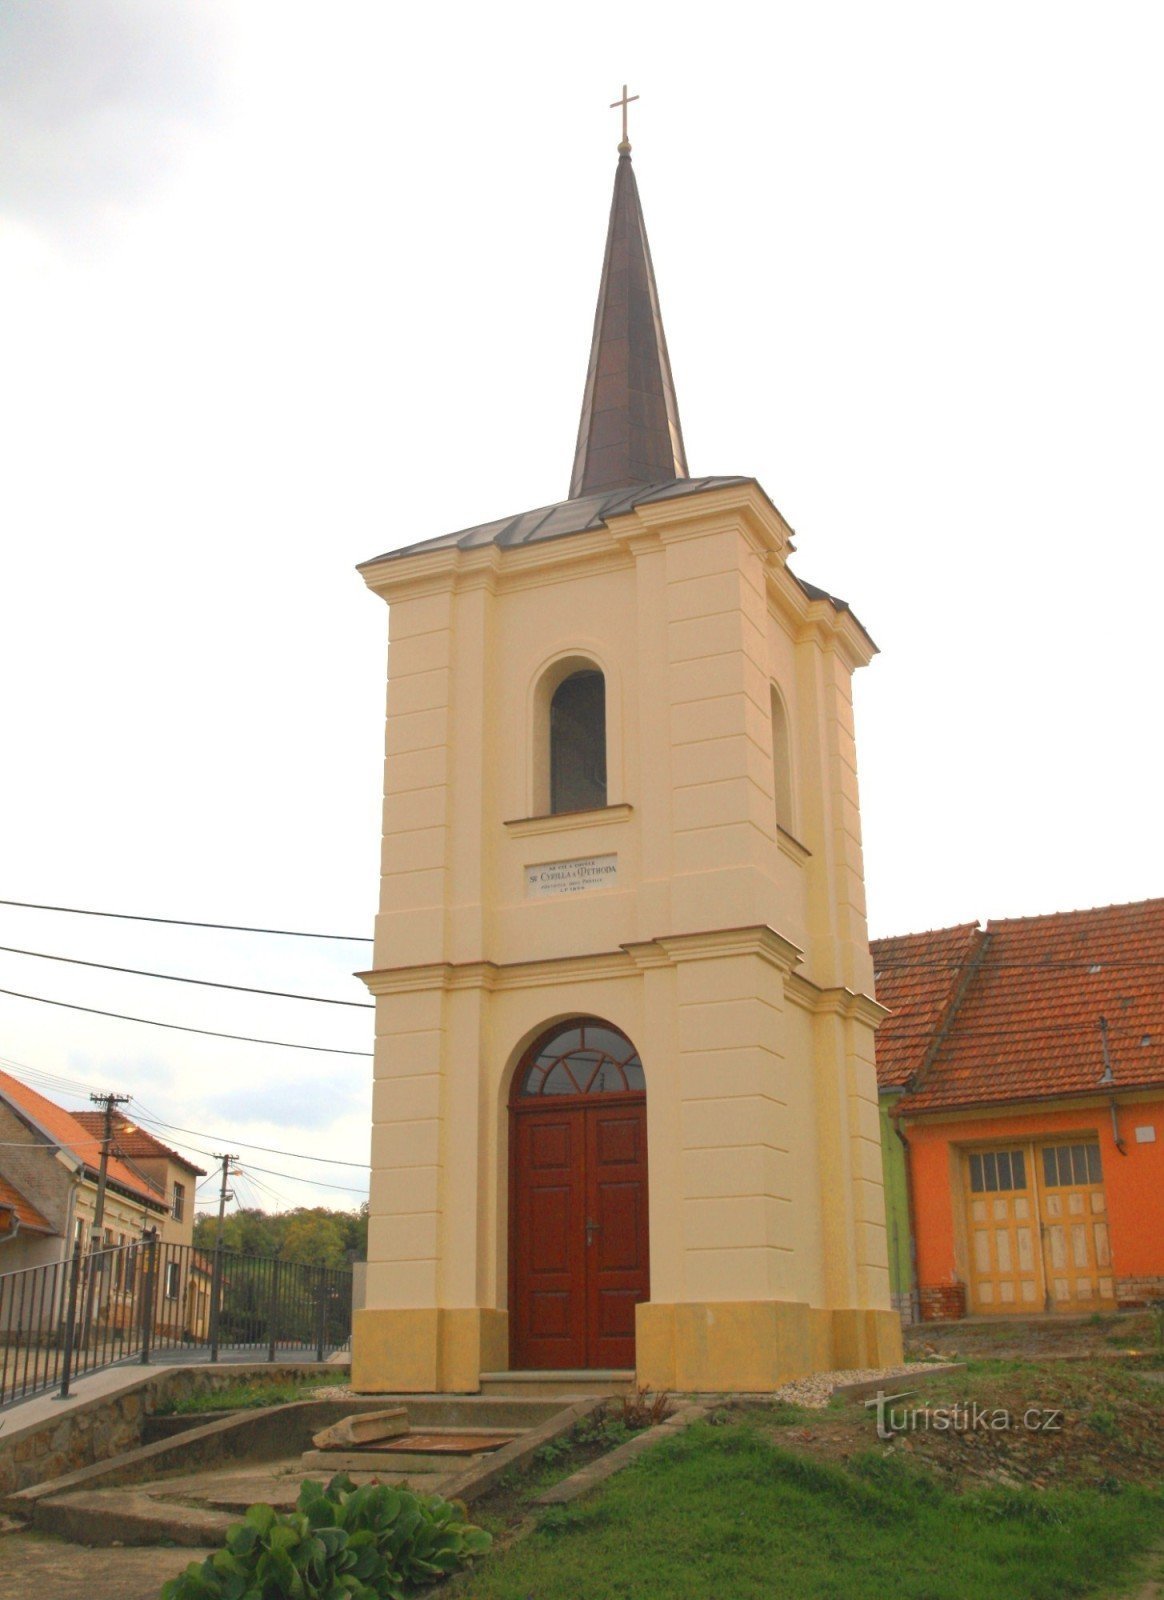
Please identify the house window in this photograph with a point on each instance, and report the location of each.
(997, 1171)
(578, 743)
(173, 1280)
(1065, 1164)
(179, 1201)
(781, 761)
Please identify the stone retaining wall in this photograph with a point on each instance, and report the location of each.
(88, 1431)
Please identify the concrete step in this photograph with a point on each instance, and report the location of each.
(118, 1516)
(422, 1472)
(427, 1413)
(564, 1385)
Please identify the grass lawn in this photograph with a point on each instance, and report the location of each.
(247, 1396)
(772, 1503)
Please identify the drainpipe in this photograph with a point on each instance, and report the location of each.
(70, 1215)
(1107, 1079)
(914, 1288)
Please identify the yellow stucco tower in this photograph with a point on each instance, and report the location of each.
(625, 1114)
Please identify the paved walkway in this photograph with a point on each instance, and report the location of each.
(52, 1569)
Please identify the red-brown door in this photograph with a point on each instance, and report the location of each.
(579, 1241)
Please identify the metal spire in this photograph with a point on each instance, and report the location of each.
(629, 433)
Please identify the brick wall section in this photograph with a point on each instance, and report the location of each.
(943, 1302)
(1132, 1292)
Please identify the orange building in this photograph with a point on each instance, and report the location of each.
(1030, 1100)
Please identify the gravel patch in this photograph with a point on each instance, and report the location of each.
(815, 1389)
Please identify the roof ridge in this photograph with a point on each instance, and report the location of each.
(925, 933)
(949, 1016)
(995, 923)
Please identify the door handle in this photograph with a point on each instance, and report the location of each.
(591, 1229)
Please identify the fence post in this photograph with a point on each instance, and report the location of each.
(273, 1312)
(70, 1322)
(215, 1297)
(321, 1311)
(149, 1281)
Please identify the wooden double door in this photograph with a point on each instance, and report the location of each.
(1037, 1229)
(578, 1231)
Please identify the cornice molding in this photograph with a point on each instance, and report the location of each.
(848, 1004)
(739, 507)
(817, 621)
(666, 951)
(758, 940)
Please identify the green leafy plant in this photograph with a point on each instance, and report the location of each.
(340, 1543)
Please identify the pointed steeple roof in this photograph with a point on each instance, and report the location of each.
(629, 433)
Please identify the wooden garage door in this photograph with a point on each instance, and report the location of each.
(1037, 1229)
(1076, 1246)
(1003, 1232)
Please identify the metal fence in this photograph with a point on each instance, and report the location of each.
(135, 1301)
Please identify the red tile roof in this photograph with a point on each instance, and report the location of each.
(917, 976)
(1027, 1026)
(26, 1213)
(71, 1135)
(134, 1142)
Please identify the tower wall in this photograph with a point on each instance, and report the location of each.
(731, 950)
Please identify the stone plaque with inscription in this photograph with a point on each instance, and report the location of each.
(570, 877)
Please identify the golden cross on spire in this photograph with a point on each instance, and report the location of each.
(624, 102)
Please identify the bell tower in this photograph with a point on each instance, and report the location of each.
(625, 1113)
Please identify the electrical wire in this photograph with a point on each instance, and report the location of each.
(183, 922)
(146, 1118)
(172, 977)
(270, 1150)
(178, 1027)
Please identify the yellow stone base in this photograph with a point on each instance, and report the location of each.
(756, 1345)
(427, 1351)
(713, 1347)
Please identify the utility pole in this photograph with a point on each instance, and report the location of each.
(224, 1194)
(107, 1102)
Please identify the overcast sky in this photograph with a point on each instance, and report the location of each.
(288, 285)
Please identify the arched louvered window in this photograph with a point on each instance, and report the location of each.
(583, 1057)
(578, 743)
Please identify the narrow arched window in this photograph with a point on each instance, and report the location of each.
(781, 762)
(578, 743)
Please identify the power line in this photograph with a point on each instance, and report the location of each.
(65, 1085)
(182, 922)
(317, 1183)
(171, 977)
(200, 1133)
(178, 1027)
(147, 1117)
